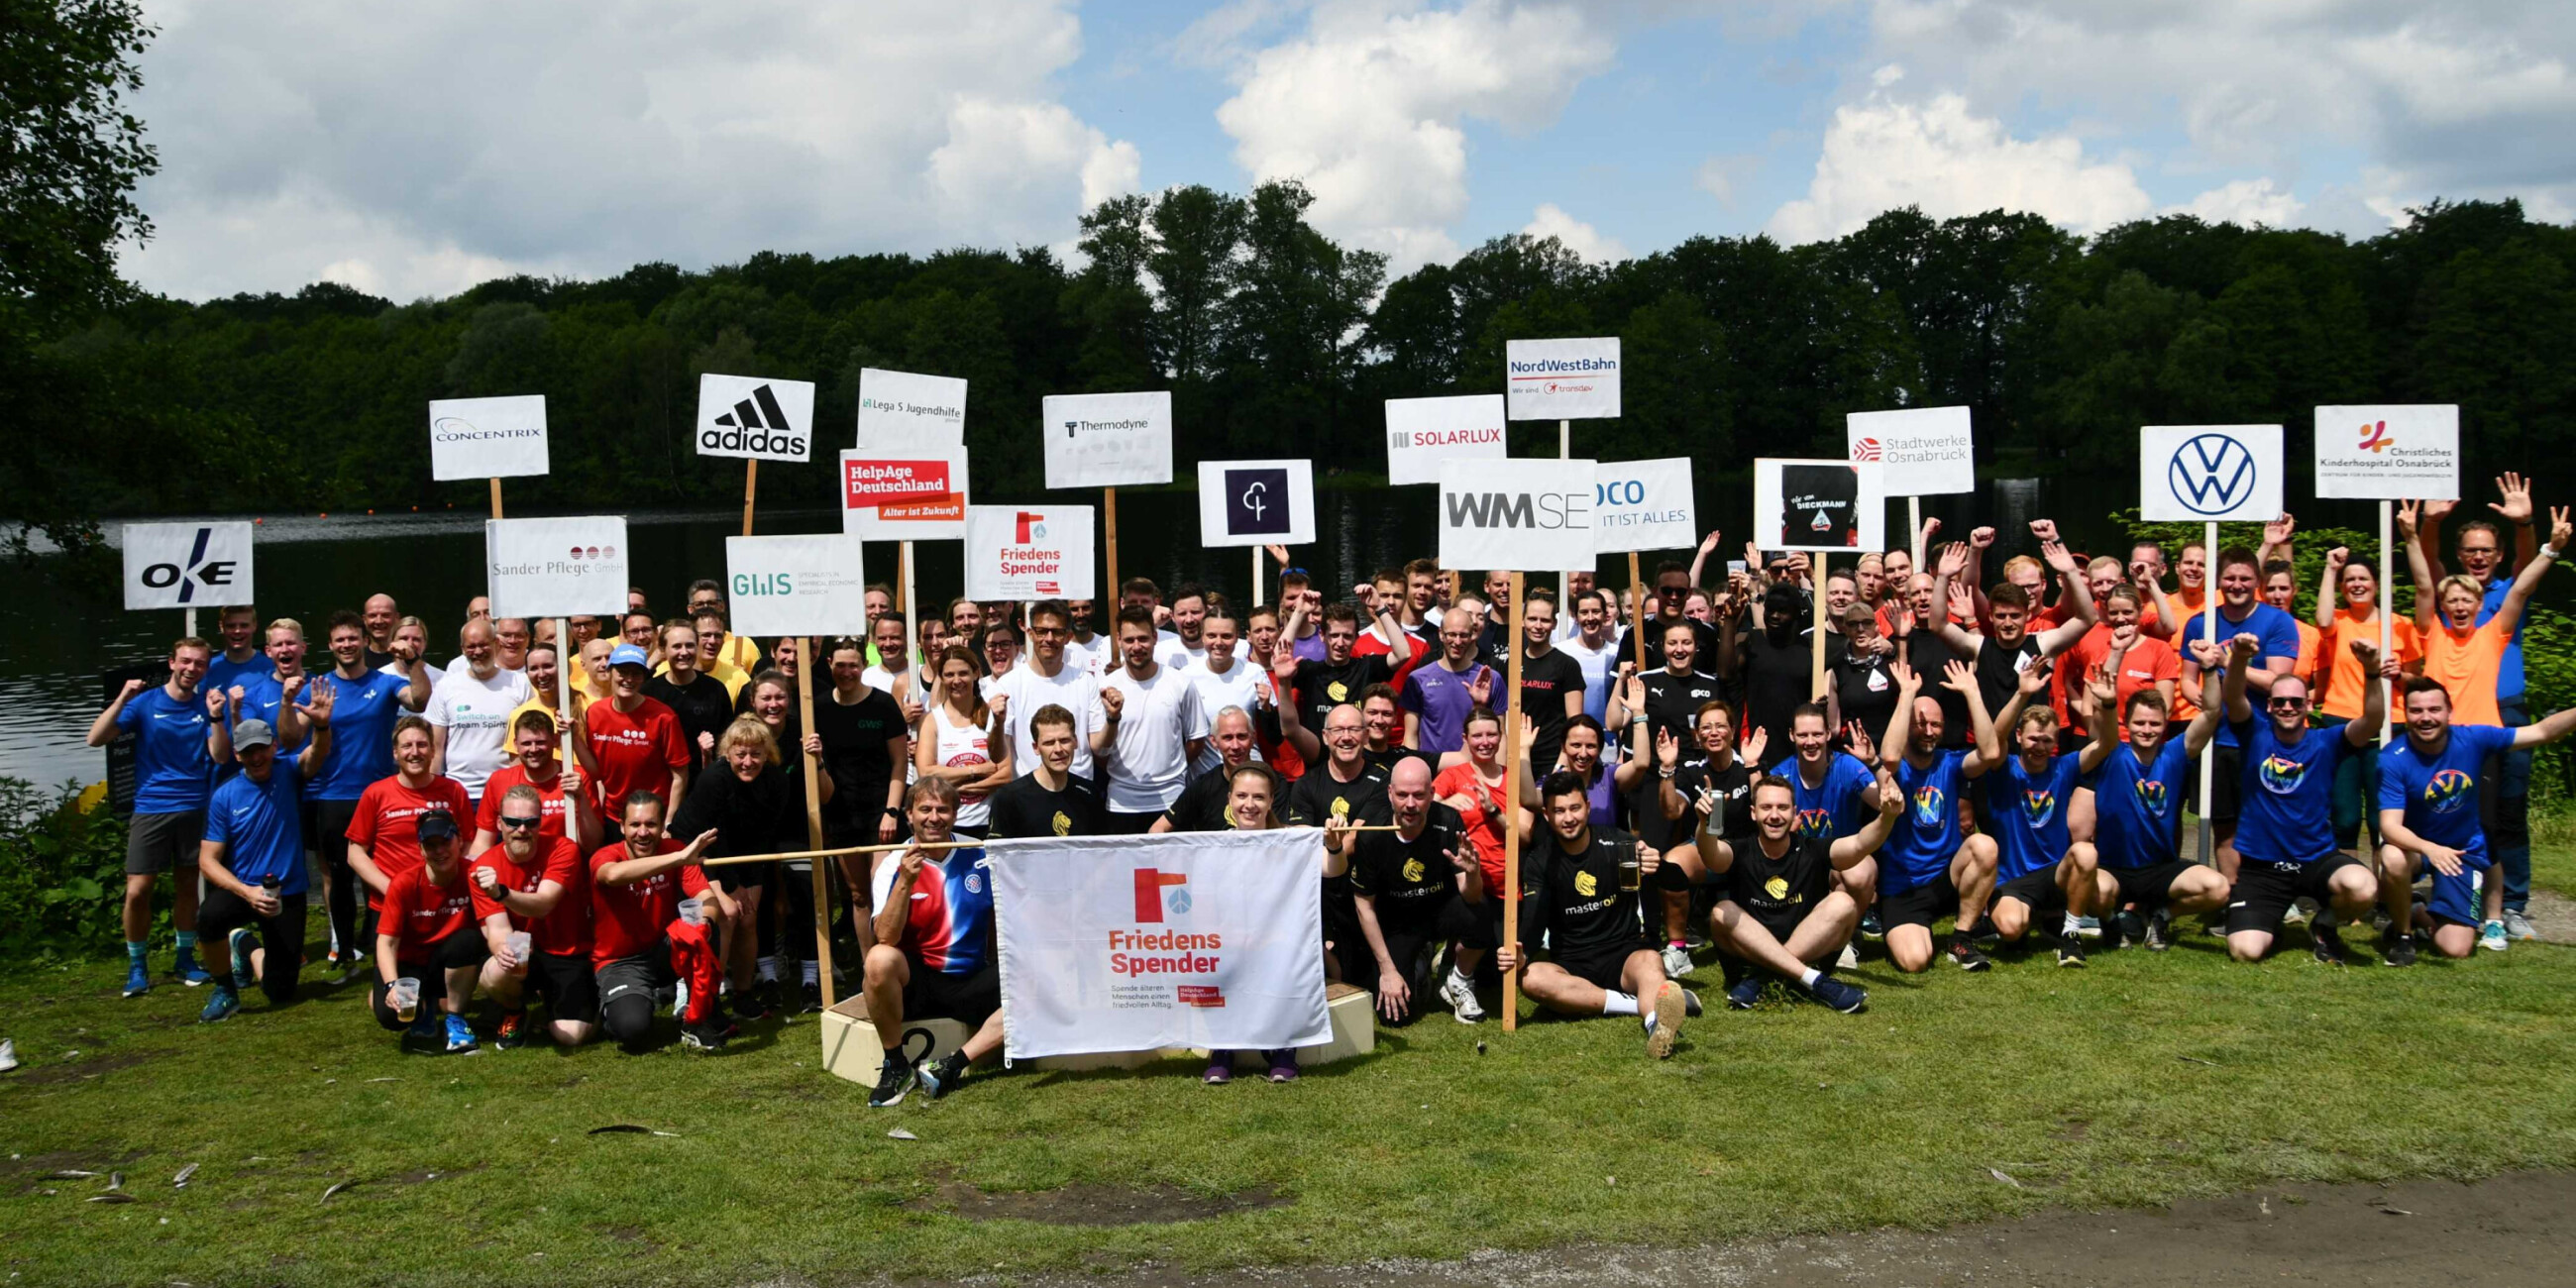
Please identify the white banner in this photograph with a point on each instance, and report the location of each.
(749, 416)
(2202, 472)
(1256, 503)
(1423, 432)
(796, 585)
(2393, 453)
(1818, 505)
(1924, 451)
(187, 565)
(1029, 552)
(487, 438)
(904, 496)
(555, 567)
(900, 412)
(1643, 505)
(1519, 512)
(1562, 379)
(1136, 943)
(1107, 440)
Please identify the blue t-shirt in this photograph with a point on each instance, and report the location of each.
(2285, 797)
(2137, 807)
(2509, 681)
(1926, 838)
(2029, 811)
(261, 826)
(1438, 698)
(2280, 636)
(263, 697)
(2440, 792)
(173, 771)
(223, 673)
(362, 733)
(1831, 811)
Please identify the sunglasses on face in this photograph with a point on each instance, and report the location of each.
(2289, 702)
(507, 821)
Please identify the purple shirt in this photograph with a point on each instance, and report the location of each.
(1309, 649)
(1438, 698)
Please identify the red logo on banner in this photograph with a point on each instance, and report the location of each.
(1865, 450)
(873, 483)
(1199, 995)
(1149, 891)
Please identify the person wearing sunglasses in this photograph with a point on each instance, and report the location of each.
(535, 882)
(2285, 839)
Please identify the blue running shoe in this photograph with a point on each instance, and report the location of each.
(138, 981)
(221, 1006)
(1745, 992)
(1838, 995)
(241, 942)
(189, 972)
(460, 1035)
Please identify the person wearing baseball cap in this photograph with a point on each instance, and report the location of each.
(630, 743)
(252, 858)
(425, 932)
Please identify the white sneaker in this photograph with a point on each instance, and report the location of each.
(2088, 927)
(2491, 937)
(1850, 960)
(1460, 994)
(680, 998)
(2517, 925)
(8, 1055)
(1677, 961)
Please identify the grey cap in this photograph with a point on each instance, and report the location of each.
(253, 733)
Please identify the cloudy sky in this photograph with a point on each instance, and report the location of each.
(416, 149)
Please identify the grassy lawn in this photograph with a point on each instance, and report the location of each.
(2142, 1079)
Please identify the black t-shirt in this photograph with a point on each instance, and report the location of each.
(1702, 632)
(1385, 761)
(1777, 678)
(1574, 900)
(1411, 880)
(1318, 798)
(763, 816)
(1865, 692)
(1024, 807)
(703, 706)
(1322, 686)
(1204, 806)
(1779, 893)
(1673, 702)
(1733, 785)
(1999, 668)
(1544, 683)
(854, 754)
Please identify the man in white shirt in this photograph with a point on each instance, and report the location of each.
(469, 710)
(1082, 649)
(1048, 675)
(1224, 680)
(1594, 647)
(1151, 729)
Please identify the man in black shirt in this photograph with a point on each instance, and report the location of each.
(1579, 896)
(1779, 912)
(1551, 680)
(1413, 888)
(1341, 789)
(1339, 677)
(1382, 730)
(1672, 592)
(1201, 806)
(2001, 657)
(1778, 661)
(863, 742)
(1048, 800)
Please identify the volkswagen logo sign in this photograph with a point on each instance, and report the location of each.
(2211, 474)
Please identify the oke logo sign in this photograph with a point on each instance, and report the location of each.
(183, 565)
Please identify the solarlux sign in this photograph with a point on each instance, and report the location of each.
(1421, 433)
(1562, 379)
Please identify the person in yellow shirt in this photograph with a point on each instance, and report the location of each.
(737, 651)
(543, 671)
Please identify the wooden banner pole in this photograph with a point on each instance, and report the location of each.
(814, 819)
(566, 658)
(750, 489)
(1511, 824)
(1564, 579)
(1109, 508)
(1816, 595)
(1636, 610)
(1913, 524)
(2387, 602)
(2209, 631)
(496, 498)
(911, 619)
(1256, 576)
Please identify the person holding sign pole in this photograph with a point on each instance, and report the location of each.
(2136, 802)
(1579, 895)
(181, 736)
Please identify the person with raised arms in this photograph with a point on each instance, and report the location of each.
(180, 736)
(2010, 647)
(2135, 800)
(535, 884)
(428, 955)
(1836, 793)
(2041, 870)
(1707, 781)
(365, 703)
(1579, 894)
(2340, 683)
(1309, 688)
(1051, 800)
(252, 859)
(1416, 888)
(2428, 814)
(934, 955)
(2286, 844)
(642, 941)
(1780, 912)
(1928, 869)
(2240, 612)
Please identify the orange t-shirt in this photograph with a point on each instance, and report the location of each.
(2309, 636)
(2467, 663)
(2340, 672)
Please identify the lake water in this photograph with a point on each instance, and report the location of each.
(59, 637)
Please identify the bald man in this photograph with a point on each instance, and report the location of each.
(1414, 887)
(1201, 806)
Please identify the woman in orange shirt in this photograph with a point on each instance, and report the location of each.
(2342, 685)
(2463, 655)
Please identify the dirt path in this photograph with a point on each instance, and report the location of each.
(2509, 1231)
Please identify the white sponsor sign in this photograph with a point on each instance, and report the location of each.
(1818, 505)
(1925, 451)
(1643, 505)
(1256, 503)
(1518, 512)
(1029, 552)
(187, 565)
(795, 585)
(2392, 453)
(1423, 432)
(2205, 472)
(555, 567)
(904, 496)
(751, 416)
(1562, 379)
(1136, 943)
(903, 412)
(1107, 440)
(487, 438)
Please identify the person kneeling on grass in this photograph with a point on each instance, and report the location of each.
(2041, 870)
(1416, 887)
(934, 955)
(253, 861)
(1927, 869)
(535, 884)
(641, 941)
(427, 952)
(2428, 817)
(1778, 909)
(1580, 892)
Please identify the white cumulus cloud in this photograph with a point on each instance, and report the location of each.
(1882, 153)
(1581, 238)
(2245, 201)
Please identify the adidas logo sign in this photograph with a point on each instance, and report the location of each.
(757, 425)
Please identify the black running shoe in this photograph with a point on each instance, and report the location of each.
(1967, 957)
(2130, 928)
(813, 1004)
(2326, 943)
(941, 1076)
(747, 1005)
(708, 1036)
(894, 1078)
(2396, 947)
(2070, 950)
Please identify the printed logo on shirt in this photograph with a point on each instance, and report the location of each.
(2446, 792)
(1338, 691)
(1413, 870)
(2039, 806)
(2281, 775)
(1063, 824)
(1815, 822)
(2151, 794)
(1928, 801)
(1776, 887)
(1584, 885)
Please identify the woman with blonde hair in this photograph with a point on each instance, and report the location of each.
(747, 800)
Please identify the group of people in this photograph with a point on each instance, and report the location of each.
(584, 823)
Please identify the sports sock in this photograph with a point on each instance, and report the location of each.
(1615, 1003)
(813, 972)
(1809, 976)
(1459, 977)
(1677, 943)
(187, 942)
(134, 951)
(768, 971)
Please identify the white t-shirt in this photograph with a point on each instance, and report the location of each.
(476, 715)
(1600, 667)
(961, 743)
(1246, 686)
(1169, 652)
(1150, 762)
(1085, 657)
(1023, 691)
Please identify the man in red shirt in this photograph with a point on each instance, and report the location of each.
(568, 813)
(639, 942)
(422, 935)
(631, 743)
(384, 826)
(538, 885)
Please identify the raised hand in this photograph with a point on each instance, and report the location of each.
(1481, 688)
(2058, 556)
(2406, 516)
(2516, 491)
(1708, 544)
(2103, 685)
(1756, 741)
(131, 688)
(2559, 530)
(2043, 530)
(2368, 654)
(1668, 750)
(2243, 646)
(1861, 746)
(1954, 560)
(215, 703)
(2034, 678)
(1907, 682)
(1528, 735)
(1981, 538)
(2338, 557)
(1113, 700)
(2279, 531)
(2436, 511)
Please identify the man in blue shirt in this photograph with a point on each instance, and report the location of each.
(365, 704)
(2276, 636)
(2135, 800)
(2286, 837)
(242, 659)
(1836, 794)
(2505, 787)
(2040, 868)
(1927, 870)
(2428, 819)
(253, 861)
(179, 738)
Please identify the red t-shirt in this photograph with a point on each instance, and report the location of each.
(552, 803)
(1370, 645)
(625, 920)
(1460, 780)
(387, 822)
(419, 914)
(636, 751)
(567, 928)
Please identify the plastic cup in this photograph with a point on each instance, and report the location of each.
(1629, 877)
(693, 911)
(405, 997)
(521, 942)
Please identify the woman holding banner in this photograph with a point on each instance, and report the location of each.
(1253, 792)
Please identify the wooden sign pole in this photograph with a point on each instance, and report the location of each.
(2209, 631)
(750, 489)
(911, 619)
(814, 819)
(1564, 579)
(1511, 826)
(1109, 507)
(496, 498)
(1636, 629)
(1816, 593)
(1256, 576)
(2384, 603)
